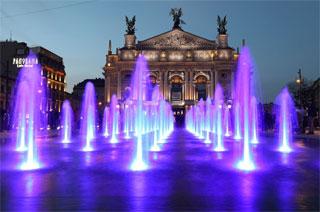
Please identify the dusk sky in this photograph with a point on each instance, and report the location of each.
(282, 36)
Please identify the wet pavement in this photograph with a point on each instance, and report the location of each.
(185, 176)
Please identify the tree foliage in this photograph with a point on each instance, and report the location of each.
(300, 92)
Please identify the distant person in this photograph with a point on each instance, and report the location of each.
(312, 115)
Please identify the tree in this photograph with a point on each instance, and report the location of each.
(300, 90)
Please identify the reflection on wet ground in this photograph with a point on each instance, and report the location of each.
(186, 175)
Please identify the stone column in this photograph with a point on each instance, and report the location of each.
(185, 85)
(165, 85)
(194, 92)
(161, 81)
(215, 79)
(191, 86)
(212, 83)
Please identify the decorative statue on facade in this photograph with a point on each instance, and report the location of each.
(176, 14)
(222, 24)
(130, 25)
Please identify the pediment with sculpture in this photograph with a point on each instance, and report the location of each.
(176, 39)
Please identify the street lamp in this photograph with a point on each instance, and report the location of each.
(299, 81)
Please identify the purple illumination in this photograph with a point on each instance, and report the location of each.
(254, 120)
(227, 122)
(105, 123)
(29, 112)
(66, 122)
(150, 114)
(138, 95)
(218, 104)
(286, 118)
(219, 118)
(208, 120)
(244, 92)
(88, 116)
(114, 115)
(127, 119)
(237, 122)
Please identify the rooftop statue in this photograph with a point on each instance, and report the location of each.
(176, 14)
(130, 25)
(222, 24)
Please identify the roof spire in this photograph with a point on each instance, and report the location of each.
(243, 42)
(110, 48)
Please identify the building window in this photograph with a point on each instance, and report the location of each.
(20, 51)
(201, 91)
(176, 89)
(201, 79)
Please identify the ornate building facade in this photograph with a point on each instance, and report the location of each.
(185, 66)
(14, 57)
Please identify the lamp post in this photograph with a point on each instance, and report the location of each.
(299, 81)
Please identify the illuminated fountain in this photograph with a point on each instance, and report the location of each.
(237, 126)
(88, 116)
(244, 92)
(127, 119)
(243, 118)
(208, 119)
(105, 123)
(254, 120)
(150, 115)
(286, 119)
(28, 116)
(156, 98)
(227, 121)
(137, 95)
(218, 104)
(201, 118)
(66, 122)
(114, 117)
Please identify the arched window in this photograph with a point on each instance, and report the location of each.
(201, 79)
(176, 80)
(201, 91)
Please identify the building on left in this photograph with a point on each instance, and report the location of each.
(13, 56)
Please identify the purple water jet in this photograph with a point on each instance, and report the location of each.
(29, 112)
(244, 91)
(138, 95)
(114, 117)
(105, 122)
(66, 122)
(227, 121)
(218, 104)
(88, 116)
(286, 119)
